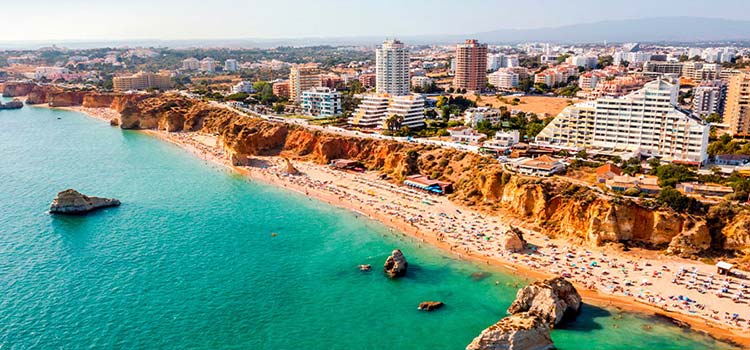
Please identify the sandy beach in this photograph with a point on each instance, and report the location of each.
(642, 281)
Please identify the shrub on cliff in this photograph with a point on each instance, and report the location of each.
(679, 202)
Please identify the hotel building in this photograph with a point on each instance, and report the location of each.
(303, 77)
(471, 66)
(392, 68)
(737, 107)
(281, 89)
(708, 98)
(142, 81)
(503, 79)
(321, 102)
(645, 121)
(208, 65)
(374, 109)
(231, 65)
(191, 63)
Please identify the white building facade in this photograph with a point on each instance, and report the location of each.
(392, 68)
(645, 121)
(374, 109)
(321, 102)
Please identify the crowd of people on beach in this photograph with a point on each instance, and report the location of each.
(691, 289)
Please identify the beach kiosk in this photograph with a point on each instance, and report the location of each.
(426, 184)
(724, 268)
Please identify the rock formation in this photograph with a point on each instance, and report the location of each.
(289, 167)
(512, 240)
(551, 300)
(430, 305)
(395, 265)
(72, 202)
(15, 104)
(692, 241)
(521, 331)
(17, 89)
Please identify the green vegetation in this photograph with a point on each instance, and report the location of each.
(726, 145)
(672, 198)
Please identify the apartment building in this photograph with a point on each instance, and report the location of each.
(503, 79)
(303, 77)
(663, 67)
(231, 65)
(708, 98)
(470, 66)
(374, 109)
(368, 80)
(557, 75)
(392, 68)
(321, 102)
(646, 121)
(421, 82)
(737, 106)
(281, 89)
(142, 81)
(191, 63)
(495, 61)
(208, 65)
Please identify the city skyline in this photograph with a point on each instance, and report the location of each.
(229, 19)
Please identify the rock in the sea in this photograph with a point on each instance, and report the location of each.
(73, 202)
(395, 265)
(430, 305)
(522, 331)
(512, 240)
(551, 300)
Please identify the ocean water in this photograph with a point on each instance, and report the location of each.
(189, 261)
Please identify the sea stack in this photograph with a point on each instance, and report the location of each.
(430, 305)
(551, 300)
(73, 202)
(516, 332)
(538, 308)
(395, 266)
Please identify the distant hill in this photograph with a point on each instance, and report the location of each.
(675, 29)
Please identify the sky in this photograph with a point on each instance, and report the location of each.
(38, 20)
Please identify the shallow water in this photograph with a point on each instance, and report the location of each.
(189, 260)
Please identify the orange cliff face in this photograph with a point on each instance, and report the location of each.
(17, 89)
(554, 206)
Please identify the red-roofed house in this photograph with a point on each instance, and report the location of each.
(607, 172)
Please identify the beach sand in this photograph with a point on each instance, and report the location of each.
(640, 281)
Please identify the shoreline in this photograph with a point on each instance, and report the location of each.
(200, 147)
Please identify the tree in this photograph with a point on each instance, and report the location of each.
(677, 201)
(670, 174)
(714, 118)
(394, 122)
(582, 154)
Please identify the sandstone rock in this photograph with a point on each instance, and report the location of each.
(430, 305)
(395, 265)
(737, 232)
(692, 241)
(72, 202)
(289, 167)
(15, 104)
(17, 89)
(522, 331)
(512, 240)
(551, 300)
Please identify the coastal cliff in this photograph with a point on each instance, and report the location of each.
(553, 206)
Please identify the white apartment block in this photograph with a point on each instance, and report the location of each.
(321, 102)
(231, 65)
(503, 79)
(374, 109)
(243, 86)
(208, 64)
(587, 62)
(191, 63)
(495, 61)
(476, 115)
(421, 82)
(645, 121)
(392, 68)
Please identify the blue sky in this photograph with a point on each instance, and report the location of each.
(25, 20)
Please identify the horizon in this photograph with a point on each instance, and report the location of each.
(112, 21)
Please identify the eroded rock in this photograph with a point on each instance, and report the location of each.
(522, 331)
(551, 300)
(430, 305)
(395, 265)
(71, 201)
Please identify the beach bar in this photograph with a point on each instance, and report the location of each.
(424, 183)
(724, 268)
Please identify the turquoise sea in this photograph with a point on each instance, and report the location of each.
(189, 261)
